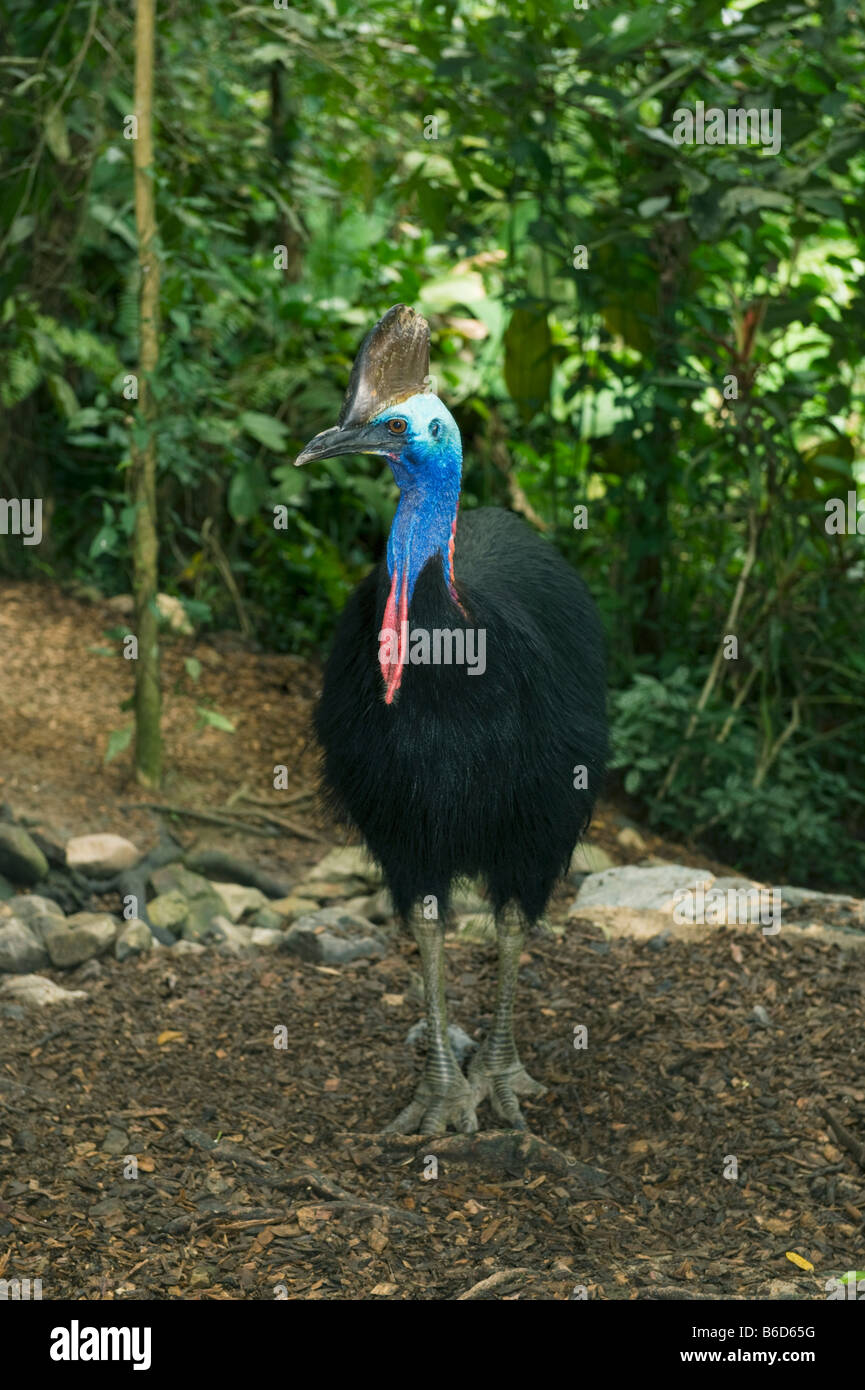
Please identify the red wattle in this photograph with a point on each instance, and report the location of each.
(393, 622)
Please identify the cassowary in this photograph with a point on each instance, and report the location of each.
(462, 717)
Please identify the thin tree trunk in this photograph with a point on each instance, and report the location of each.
(148, 736)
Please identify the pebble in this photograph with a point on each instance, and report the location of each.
(38, 991)
(20, 950)
(332, 937)
(20, 858)
(101, 854)
(80, 937)
(133, 939)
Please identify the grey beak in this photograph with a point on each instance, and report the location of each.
(327, 445)
(344, 439)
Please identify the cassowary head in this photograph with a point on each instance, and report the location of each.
(388, 409)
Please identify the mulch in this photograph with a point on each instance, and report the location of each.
(683, 1153)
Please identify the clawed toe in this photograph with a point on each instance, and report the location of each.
(434, 1112)
(502, 1087)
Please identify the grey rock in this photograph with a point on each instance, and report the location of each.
(238, 899)
(134, 939)
(39, 914)
(116, 1142)
(591, 859)
(169, 910)
(835, 902)
(630, 839)
(347, 862)
(229, 937)
(188, 948)
(267, 938)
(82, 936)
(204, 904)
(460, 1041)
(101, 854)
(175, 878)
(20, 859)
(6, 889)
(268, 920)
(90, 970)
(633, 886)
(332, 937)
(663, 938)
(20, 950)
(38, 992)
(760, 1016)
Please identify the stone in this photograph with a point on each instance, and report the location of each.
(20, 858)
(20, 950)
(80, 937)
(38, 992)
(631, 840)
(176, 878)
(169, 910)
(323, 891)
(90, 970)
(293, 906)
(134, 939)
(188, 948)
(6, 889)
(349, 861)
(591, 859)
(230, 938)
(653, 889)
(239, 900)
(116, 1142)
(332, 937)
(202, 902)
(173, 614)
(268, 920)
(267, 938)
(460, 1041)
(39, 914)
(101, 854)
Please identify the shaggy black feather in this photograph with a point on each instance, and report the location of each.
(472, 774)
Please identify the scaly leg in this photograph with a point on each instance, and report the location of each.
(496, 1070)
(443, 1096)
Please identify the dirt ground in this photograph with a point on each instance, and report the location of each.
(684, 1153)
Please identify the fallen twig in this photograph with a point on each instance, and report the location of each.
(848, 1141)
(211, 817)
(503, 1279)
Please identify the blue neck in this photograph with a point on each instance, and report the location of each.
(428, 470)
(423, 527)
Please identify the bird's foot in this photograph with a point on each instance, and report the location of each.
(502, 1082)
(436, 1107)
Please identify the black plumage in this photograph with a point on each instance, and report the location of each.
(479, 762)
(472, 775)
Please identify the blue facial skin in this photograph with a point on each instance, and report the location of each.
(426, 461)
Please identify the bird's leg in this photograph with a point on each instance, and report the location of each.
(443, 1096)
(496, 1070)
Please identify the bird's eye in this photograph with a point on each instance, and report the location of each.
(435, 428)
(396, 426)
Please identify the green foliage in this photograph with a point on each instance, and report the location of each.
(787, 821)
(594, 288)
